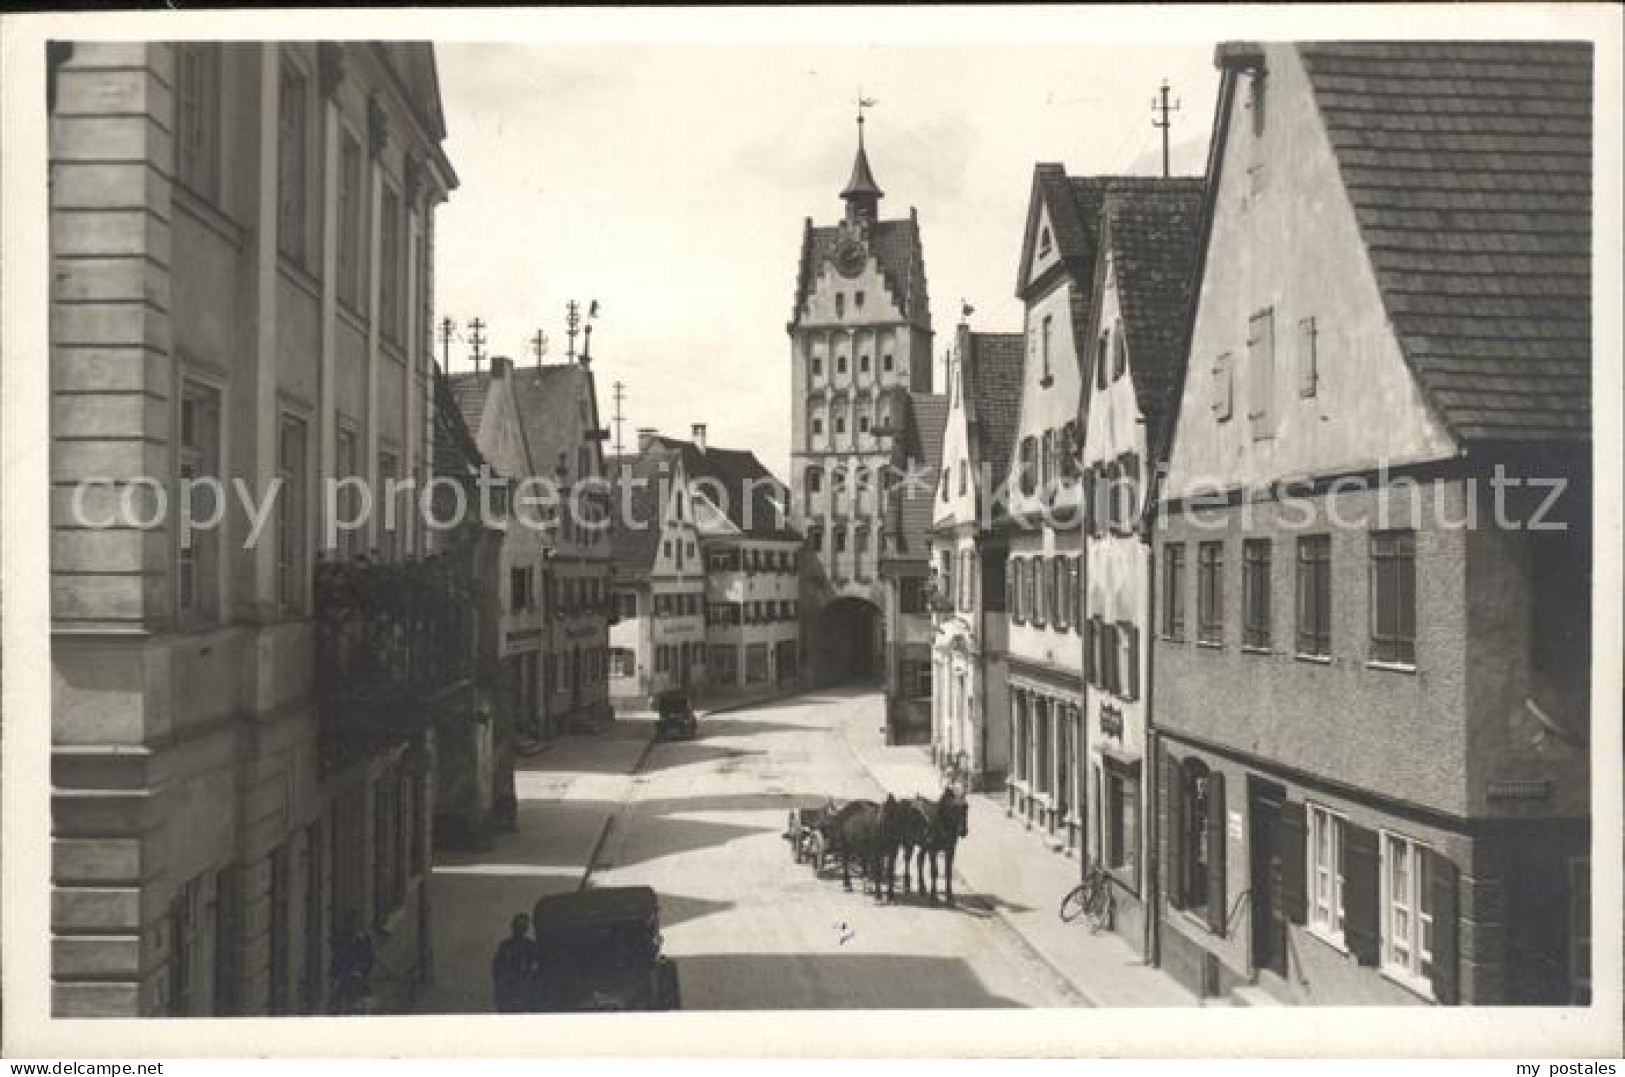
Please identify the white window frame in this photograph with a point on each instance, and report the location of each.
(1412, 967)
(1326, 917)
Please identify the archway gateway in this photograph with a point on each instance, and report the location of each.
(849, 641)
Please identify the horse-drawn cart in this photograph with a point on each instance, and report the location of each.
(804, 831)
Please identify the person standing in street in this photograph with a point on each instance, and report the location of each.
(513, 970)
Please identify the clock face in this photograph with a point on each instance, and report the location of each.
(849, 257)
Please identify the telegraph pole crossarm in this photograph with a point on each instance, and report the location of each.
(1163, 121)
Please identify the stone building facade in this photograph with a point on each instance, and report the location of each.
(860, 378)
(241, 237)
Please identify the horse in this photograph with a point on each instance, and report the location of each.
(866, 831)
(948, 820)
(910, 828)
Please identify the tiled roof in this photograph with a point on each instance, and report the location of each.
(471, 389)
(455, 453)
(993, 395)
(1151, 230)
(1469, 168)
(927, 424)
(894, 244)
(747, 488)
(636, 537)
(548, 401)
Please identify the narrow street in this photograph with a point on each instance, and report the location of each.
(750, 928)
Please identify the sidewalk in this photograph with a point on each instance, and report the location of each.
(568, 794)
(1021, 877)
(569, 791)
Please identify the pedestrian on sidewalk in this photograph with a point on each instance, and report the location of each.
(515, 967)
(352, 960)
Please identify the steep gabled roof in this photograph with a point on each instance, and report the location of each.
(993, 396)
(1150, 230)
(894, 244)
(635, 539)
(1469, 168)
(747, 489)
(471, 389)
(927, 424)
(455, 452)
(549, 399)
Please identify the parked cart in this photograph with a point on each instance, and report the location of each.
(805, 834)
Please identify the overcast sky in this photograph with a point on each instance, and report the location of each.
(669, 182)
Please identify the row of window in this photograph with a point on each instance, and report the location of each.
(815, 364)
(205, 920)
(1391, 562)
(958, 580)
(678, 605)
(1046, 591)
(733, 559)
(571, 671)
(199, 148)
(859, 533)
(678, 551)
(858, 478)
(756, 611)
(1111, 496)
(859, 411)
(1261, 408)
(1046, 733)
(1111, 657)
(1045, 461)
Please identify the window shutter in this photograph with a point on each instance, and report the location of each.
(1442, 898)
(1361, 893)
(1293, 846)
(1171, 825)
(1089, 651)
(1133, 662)
(1308, 361)
(1221, 401)
(1261, 373)
(1217, 902)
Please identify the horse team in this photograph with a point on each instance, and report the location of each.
(872, 835)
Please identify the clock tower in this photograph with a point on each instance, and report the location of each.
(862, 420)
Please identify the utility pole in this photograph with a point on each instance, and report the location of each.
(620, 395)
(446, 327)
(1164, 122)
(476, 341)
(538, 346)
(572, 322)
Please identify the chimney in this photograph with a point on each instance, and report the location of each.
(697, 432)
(646, 434)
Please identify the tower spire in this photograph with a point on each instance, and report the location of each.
(862, 194)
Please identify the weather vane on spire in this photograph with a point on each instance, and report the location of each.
(863, 103)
